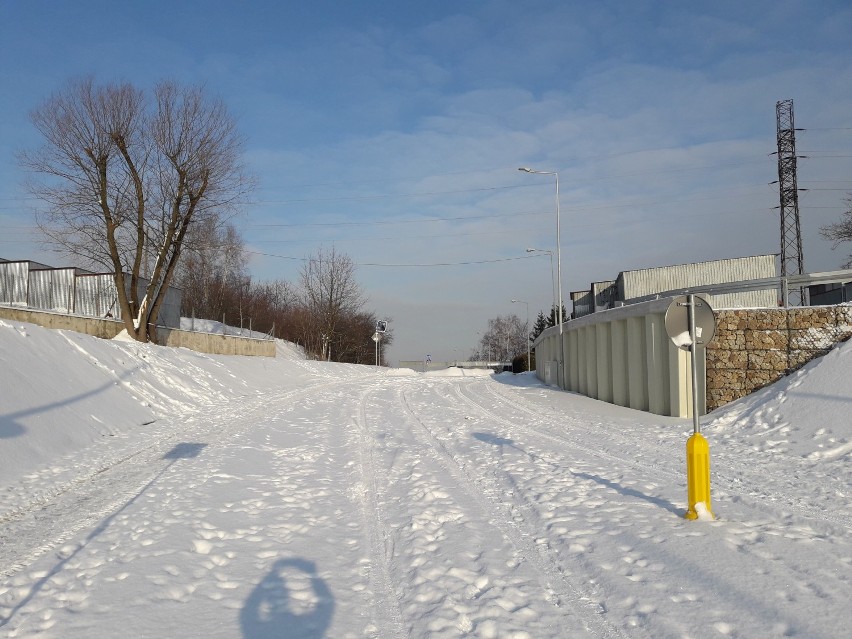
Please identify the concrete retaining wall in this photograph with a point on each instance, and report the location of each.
(624, 356)
(214, 344)
(621, 356)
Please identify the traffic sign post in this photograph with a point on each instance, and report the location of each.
(691, 324)
(377, 338)
(381, 328)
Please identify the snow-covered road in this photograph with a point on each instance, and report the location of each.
(351, 503)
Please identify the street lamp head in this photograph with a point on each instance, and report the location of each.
(513, 301)
(526, 169)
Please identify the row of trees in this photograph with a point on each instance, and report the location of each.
(323, 311)
(508, 336)
(505, 337)
(144, 184)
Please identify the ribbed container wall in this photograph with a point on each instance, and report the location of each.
(641, 283)
(25, 283)
(583, 303)
(169, 315)
(170, 310)
(13, 282)
(52, 289)
(97, 296)
(604, 294)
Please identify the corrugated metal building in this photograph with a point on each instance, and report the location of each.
(51, 289)
(170, 310)
(583, 303)
(14, 281)
(24, 283)
(97, 296)
(826, 294)
(604, 295)
(635, 285)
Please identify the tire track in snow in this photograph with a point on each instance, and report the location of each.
(742, 531)
(80, 503)
(386, 606)
(767, 503)
(752, 538)
(561, 590)
(563, 440)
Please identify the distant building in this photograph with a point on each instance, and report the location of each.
(643, 284)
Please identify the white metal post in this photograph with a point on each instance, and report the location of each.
(555, 174)
(693, 350)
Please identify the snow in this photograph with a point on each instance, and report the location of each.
(158, 492)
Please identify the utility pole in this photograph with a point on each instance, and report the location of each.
(792, 259)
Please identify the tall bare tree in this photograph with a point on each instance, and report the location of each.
(213, 265)
(330, 294)
(841, 231)
(124, 177)
(506, 337)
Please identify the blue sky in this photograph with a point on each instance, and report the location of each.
(394, 131)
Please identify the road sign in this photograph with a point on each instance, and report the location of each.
(376, 337)
(677, 322)
(691, 324)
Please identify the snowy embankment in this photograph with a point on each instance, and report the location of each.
(159, 492)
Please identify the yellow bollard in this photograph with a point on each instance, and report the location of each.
(698, 475)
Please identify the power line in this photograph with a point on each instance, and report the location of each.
(392, 195)
(407, 221)
(400, 265)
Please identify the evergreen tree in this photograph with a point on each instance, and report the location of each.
(541, 324)
(552, 320)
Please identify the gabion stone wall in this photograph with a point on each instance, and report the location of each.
(755, 347)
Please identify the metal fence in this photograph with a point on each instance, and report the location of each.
(14, 279)
(27, 284)
(96, 296)
(51, 289)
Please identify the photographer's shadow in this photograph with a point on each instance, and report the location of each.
(291, 601)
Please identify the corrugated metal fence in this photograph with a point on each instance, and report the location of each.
(74, 291)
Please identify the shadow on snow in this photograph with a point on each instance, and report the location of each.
(292, 601)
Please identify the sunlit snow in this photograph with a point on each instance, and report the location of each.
(155, 492)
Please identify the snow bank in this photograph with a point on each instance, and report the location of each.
(805, 414)
(454, 371)
(68, 390)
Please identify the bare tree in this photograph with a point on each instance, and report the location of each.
(124, 178)
(330, 294)
(505, 338)
(212, 266)
(354, 343)
(841, 231)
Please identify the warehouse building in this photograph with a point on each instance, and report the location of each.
(641, 285)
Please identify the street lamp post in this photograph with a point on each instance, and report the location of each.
(529, 358)
(558, 239)
(558, 266)
(552, 277)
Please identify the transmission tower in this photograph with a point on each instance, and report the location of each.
(792, 260)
